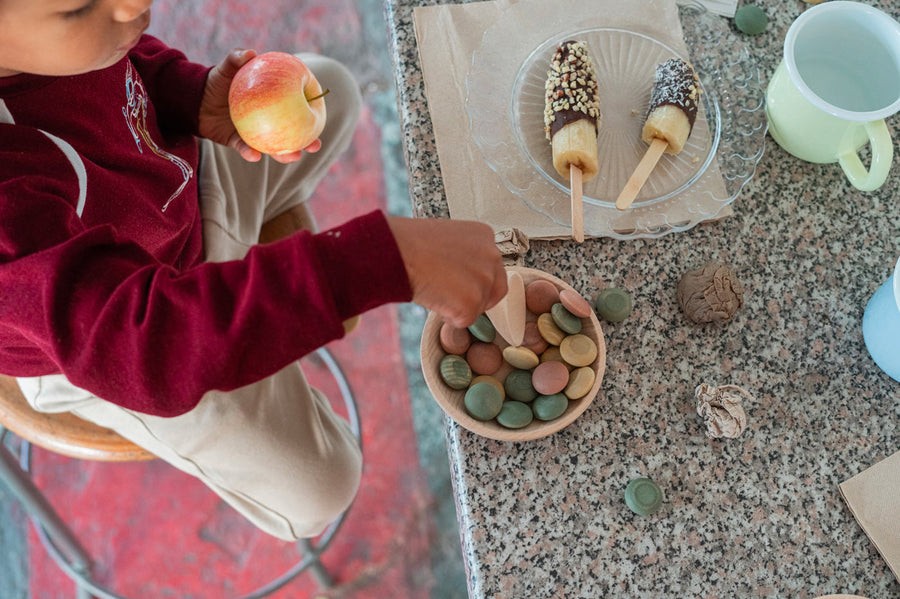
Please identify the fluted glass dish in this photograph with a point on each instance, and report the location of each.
(505, 104)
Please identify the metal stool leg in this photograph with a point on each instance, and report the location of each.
(45, 518)
(25, 491)
(323, 578)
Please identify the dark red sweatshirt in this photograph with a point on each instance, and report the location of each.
(101, 258)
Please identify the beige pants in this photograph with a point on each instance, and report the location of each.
(274, 450)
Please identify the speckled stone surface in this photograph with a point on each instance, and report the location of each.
(756, 516)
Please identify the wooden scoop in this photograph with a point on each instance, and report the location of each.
(508, 316)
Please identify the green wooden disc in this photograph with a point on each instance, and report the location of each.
(515, 414)
(483, 401)
(518, 386)
(643, 496)
(456, 371)
(564, 319)
(751, 19)
(483, 329)
(613, 304)
(549, 407)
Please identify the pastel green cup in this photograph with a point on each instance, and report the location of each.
(837, 82)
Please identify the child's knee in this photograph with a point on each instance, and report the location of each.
(325, 495)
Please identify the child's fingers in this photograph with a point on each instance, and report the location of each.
(287, 158)
(295, 156)
(234, 61)
(246, 152)
(499, 288)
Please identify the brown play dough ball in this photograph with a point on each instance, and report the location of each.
(710, 294)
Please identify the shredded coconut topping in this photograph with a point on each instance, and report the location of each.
(677, 84)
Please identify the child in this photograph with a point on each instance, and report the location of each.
(130, 269)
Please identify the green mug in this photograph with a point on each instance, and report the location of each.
(837, 82)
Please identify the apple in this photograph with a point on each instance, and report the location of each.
(276, 104)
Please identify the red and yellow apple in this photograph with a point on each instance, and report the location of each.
(276, 104)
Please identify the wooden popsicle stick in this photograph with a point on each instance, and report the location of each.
(508, 316)
(577, 205)
(641, 172)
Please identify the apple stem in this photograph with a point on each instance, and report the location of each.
(322, 95)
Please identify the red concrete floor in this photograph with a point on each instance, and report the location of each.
(158, 533)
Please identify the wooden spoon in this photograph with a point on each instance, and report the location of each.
(508, 316)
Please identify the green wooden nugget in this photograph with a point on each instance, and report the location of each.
(515, 414)
(613, 304)
(483, 401)
(751, 19)
(456, 371)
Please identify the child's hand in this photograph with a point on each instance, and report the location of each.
(454, 267)
(215, 120)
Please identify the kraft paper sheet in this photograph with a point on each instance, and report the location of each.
(447, 35)
(873, 497)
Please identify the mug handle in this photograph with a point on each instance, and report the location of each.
(882, 156)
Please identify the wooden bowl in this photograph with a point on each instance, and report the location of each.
(452, 400)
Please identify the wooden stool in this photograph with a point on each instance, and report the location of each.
(69, 435)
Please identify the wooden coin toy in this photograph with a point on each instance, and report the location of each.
(484, 358)
(518, 386)
(565, 320)
(549, 407)
(580, 382)
(578, 350)
(533, 340)
(550, 378)
(486, 378)
(575, 303)
(456, 371)
(483, 401)
(540, 295)
(483, 329)
(613, 304)
(515, 414)
(520, 357)
(643, 496)
(552, 354)
(549, 330)
(455, 340)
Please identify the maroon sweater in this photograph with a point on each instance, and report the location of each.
(102, 275)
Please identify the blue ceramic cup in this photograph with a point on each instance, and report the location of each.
(881, 325)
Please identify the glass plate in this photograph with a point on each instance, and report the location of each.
(505, 104)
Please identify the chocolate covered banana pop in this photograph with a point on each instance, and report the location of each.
(670, 118)
(673, 104)
(572, 109)
(571, 121)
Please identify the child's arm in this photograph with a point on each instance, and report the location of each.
(81, 300)
(454, 267)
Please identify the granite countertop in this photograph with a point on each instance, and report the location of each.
(756, 516)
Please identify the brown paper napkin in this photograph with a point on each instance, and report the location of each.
(447, 35)
(873, 497)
